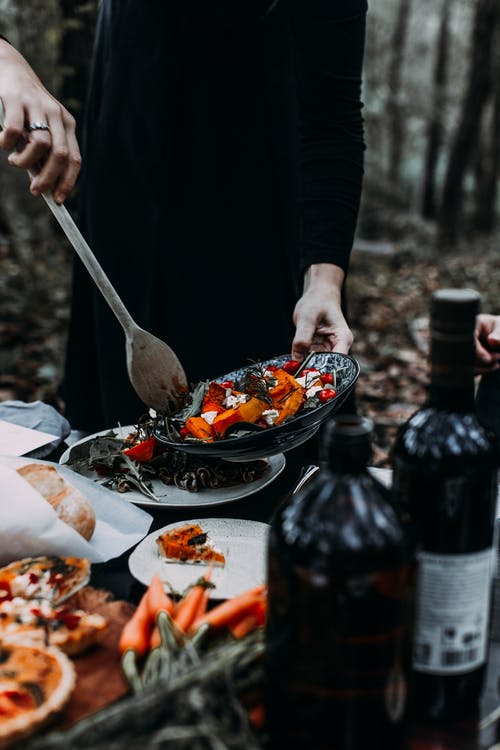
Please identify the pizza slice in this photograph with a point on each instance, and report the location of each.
(189, 544)
(36, 621)
(35, 683)
(52, 578)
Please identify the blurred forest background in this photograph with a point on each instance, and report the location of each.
(429, 214)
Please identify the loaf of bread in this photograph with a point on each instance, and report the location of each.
(70, 504)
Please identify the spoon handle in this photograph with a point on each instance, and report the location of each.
(91, 263)
(85, 254)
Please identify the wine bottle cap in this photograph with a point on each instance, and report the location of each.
(348, 439)
(454, 310)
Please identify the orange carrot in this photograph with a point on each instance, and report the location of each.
(155, 639)
(158, 599)
(254, 618)
(187, 608)
(244, 625)
(260, 611)
(202, 607)
(136, 632)
(229, 610)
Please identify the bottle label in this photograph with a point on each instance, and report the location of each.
(453, 598)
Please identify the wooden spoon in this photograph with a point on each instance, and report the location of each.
(154, 370)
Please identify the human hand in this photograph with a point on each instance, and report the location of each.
(487, 339)
(319, 321)
(53, 152)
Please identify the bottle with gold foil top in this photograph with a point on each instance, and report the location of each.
(340, 570)
(445, 475)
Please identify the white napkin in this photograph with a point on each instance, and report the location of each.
(29, 525)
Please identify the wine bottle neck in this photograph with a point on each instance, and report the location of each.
(460, 399)
(349, 458)
(452, 371)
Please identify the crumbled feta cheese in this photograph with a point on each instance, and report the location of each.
(209, 416)
(308, 379)
(232, 401)
(270, 416)
(23, 584)
(310, 392)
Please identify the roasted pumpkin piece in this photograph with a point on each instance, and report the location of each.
(289, 405)
(287, 395)
(199, 428)
(214, 398)
(249, 411)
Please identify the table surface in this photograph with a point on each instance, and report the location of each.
(483, 735)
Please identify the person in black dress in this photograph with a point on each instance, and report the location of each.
(222, 170)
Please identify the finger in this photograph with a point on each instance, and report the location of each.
(37, 143)
(68, 178)
(493, 337)
(57, 158)
(302, 340)
(13, 126)
(340, 339)
(484, 370)
(483, 356)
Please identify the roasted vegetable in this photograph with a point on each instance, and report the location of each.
(287, 395)
(143, 451)
(199, 428)
(214, 398)
(249, 411)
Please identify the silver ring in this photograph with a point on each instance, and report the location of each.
(38, 126)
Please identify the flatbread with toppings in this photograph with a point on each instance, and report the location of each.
(189, 544)
(52, 578)
(36, 621)
(35, 683)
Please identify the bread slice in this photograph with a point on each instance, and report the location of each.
(70, 504)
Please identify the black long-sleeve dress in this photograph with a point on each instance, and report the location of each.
(223, 154)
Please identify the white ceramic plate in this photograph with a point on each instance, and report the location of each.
(244, 546)
(172, 497)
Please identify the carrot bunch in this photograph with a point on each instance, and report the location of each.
(241, 614)
(159, 623)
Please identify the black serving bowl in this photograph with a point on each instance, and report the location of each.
(281, 438)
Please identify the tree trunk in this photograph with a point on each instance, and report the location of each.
(395, 104)
(488, 163)
(435, 128)
(465, 140)
(34, 29)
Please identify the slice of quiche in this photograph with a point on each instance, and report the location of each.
(35, 684)
(189, 544)
(52, 578)
(36, 621)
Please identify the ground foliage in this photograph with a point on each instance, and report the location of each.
(390, 284)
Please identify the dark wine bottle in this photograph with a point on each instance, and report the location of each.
(340, 571)
(445, 475)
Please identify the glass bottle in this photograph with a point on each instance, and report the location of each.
(445, 475)
(339, 586)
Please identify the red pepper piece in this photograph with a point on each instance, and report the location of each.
(141, 452)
